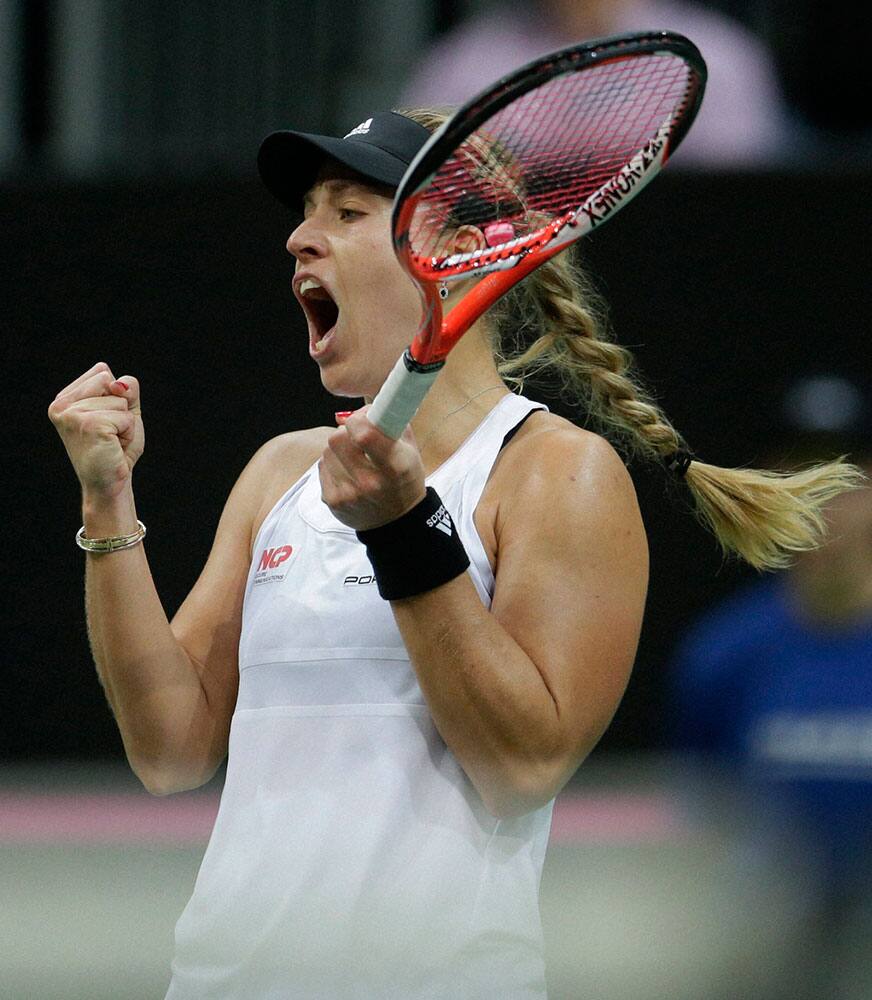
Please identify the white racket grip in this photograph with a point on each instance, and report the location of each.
(399, 398)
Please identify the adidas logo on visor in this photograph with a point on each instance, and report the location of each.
(360, 129)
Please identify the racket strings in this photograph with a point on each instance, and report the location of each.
(545, 154)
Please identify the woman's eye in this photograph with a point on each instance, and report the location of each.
(346, 213)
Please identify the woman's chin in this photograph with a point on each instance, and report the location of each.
(350, 385)
(344, 387)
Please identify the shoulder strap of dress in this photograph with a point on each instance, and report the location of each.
(462, 485)
(519, 425)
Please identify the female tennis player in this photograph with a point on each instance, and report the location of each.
(407, 646)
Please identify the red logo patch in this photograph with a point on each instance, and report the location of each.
(271, 558)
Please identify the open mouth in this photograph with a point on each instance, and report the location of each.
(321, 311)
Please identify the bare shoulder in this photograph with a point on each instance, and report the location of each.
(277, 465)
(553, 466)
(547, 444)
(293, 451)
(571, 574)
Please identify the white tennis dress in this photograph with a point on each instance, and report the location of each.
(351, 856)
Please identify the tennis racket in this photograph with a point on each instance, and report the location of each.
(531, 165)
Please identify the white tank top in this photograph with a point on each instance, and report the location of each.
(351, 855)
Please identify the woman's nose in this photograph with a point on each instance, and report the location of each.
(306, 241)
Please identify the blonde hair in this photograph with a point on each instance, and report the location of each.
(762, 516)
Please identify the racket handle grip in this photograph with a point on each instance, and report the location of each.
(399, 398)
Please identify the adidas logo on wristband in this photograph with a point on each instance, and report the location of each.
(441, 520)
(407, 558)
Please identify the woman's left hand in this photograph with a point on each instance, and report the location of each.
(368, 478)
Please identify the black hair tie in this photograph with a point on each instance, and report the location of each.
(677, 463)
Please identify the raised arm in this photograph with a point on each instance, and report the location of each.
(172, 687)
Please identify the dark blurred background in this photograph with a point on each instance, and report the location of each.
(136, 232)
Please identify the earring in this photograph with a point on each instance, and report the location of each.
(443, 290)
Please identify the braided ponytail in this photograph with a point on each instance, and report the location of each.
(760, 515)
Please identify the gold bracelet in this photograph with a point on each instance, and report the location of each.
(110, 544)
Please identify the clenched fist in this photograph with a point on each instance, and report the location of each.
(99, 421)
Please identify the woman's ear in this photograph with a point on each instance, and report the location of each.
(467, 239)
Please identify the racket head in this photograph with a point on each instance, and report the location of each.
(539, 159)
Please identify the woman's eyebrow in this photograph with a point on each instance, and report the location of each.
(333, 187)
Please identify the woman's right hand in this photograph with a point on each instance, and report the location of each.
(100, 424)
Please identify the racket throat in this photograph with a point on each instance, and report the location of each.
(414, 367)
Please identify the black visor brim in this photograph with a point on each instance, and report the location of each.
(289, 162)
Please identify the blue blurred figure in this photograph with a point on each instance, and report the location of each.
(775, 684)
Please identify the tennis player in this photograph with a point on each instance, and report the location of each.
(408, 646)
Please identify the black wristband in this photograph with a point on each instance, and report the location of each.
(417, 552)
